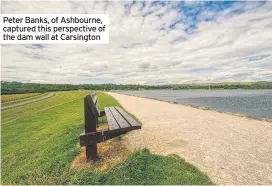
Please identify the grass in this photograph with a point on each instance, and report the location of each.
(13, 97)
(40, 142)
(23, 99)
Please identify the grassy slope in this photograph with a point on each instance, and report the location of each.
(13, 97)
(23, 99)
(40, 140)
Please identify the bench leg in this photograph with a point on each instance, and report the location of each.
(91, 152)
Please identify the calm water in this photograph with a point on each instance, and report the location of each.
(255, 103)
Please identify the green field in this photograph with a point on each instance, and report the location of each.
(40, 140)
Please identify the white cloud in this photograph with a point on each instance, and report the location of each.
(141, 52)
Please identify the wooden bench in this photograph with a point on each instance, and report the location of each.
(119, 122)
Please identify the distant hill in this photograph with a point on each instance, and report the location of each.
(18, 87)
(262, 85)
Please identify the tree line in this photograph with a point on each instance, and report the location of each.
(18, 87)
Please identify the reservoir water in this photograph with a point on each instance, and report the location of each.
(254, 103)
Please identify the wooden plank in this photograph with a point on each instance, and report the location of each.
(111, 120)
(102, 135)
(119, 131)
(95, 111)
(91, 122)
(90, 119)
(90, 138)
(119, 118)
(89, 100)
(127, 117)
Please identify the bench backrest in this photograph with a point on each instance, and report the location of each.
(93, 102)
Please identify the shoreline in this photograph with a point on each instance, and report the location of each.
(201, 108)
(229, 149)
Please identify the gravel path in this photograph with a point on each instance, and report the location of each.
(27, 102)
(229, 149)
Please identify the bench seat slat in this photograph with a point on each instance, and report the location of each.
(131, 121)
(119, 118)
(111, 120)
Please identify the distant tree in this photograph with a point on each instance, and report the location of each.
(18, 87)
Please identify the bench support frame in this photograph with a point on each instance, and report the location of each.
(87, 139)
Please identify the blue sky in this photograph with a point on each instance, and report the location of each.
(151, 42)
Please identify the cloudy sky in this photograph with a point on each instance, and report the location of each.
(150, 43)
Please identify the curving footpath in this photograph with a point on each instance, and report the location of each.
(27, 102)
(229, 149)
